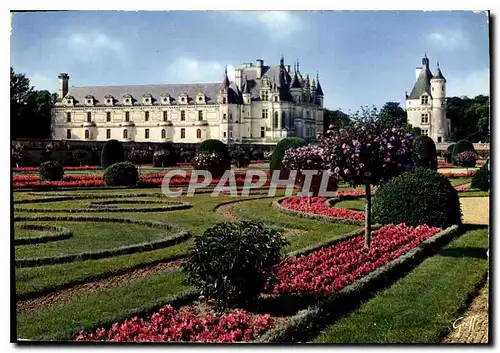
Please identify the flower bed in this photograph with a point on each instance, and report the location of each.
(330, 269)
(169, 324)
(35, 169)
(317, 205)
(465, 174)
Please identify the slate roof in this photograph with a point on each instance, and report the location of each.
(210, 90)
(423, 84)
(319, 90)
(439, 75)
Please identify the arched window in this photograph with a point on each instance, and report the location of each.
(283, 120)
(163, 133)
(276, 120)
(198, 134)
(183, 133)
(125, 134)
(87, 134)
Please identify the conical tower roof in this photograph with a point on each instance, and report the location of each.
(319, 90)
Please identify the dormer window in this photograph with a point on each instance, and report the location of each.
(425, 100)
(165, 98)
(200, 98)
(265, 95)
(89, 100)
(69, 100)
(108, 99)
(147, 99)
(127, 99)
(183, 98)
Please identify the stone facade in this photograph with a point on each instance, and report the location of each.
(264, 105)
(426, 104)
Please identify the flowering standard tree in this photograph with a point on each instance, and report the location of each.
(308, 158)
(466, 159)
(366, 153)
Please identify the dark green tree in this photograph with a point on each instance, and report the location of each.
(392, 115)
(336, 118)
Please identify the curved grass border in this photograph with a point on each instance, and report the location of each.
(306, 323)
(277, 205)
(93, 255)
(58, 233)
(180, 206)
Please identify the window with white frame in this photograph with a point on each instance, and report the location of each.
(425, 118)
(425, 132)
(425, 100)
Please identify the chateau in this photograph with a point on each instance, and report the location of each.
(263, 105)
(426, 104)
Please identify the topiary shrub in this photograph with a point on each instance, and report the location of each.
(51, 170)
(239, 157)
(425, 151)
(164, 158)
(415, 198)
(121, 174)
(281, 147)
(112, 152)
(450, 152)
(209, 161)
(257, 154)
(82, 157)
(231, 262)
(220, 148)
(459, 147)
(481, 180)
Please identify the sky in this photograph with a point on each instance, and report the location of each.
(362, 57)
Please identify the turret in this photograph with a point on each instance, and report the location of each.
(440, 125)
(224, 88)
(247, 96)
(295, 86)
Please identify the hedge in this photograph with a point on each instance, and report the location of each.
(59, 233)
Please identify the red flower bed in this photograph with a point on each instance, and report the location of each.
(459, 174)
(169, 324)
(354, 192)
(35, 169)
(255, 161)
(328, 270)
(462, 188)
(444, 164)
(316, 205)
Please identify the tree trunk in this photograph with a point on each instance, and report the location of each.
(368, 216)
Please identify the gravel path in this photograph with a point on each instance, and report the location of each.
(475, 210)
(472, 326)
(94, 286)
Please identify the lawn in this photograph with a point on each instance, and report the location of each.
(420, 306)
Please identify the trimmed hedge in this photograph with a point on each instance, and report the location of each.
(121, 174)
(450, 152)
(425, 149)
(461, 146)
(481, 180)
(51, 170)
(309, 322)
(112, 152)
(58, 233)
(124, 250)
(418, 197)
(281, 147)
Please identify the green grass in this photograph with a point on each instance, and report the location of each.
(93, 236)
(460, 181)
(28, 233)
(86, 310)
(357, 204)
(419, 306)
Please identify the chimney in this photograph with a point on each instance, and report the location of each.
(259, 64)
(63, 85)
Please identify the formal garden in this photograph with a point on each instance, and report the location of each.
(394, 253)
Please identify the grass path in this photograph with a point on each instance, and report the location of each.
(423, 305)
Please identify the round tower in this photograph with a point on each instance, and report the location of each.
(439, 124)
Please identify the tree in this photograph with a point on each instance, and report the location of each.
(367, 153)
(392, 115)
(468, 118)
(337, 119)
(30, 109)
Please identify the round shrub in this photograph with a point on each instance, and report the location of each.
(219, 147)
(231, 262)
(121, 174)
(257, 154)
(281, 147)
(164, 158)
(466, 159)
(51, 170)
(239, 157)
(209, 161)
(459, 147)
(112, 152)
(415, 198)
(481, 180)
(425, 150)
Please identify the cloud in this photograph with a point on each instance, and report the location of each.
(449, 40)
(43, 82)
(186, 70)
(92, 46)
(471, 85)
(277, 25)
